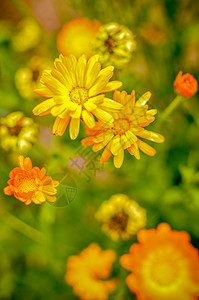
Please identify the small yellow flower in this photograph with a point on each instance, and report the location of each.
(87, 272)
(123, 133)
(75, 89)
(28, 35)
(115, 44)
(28, 78)
(17, 132)
(121, 217)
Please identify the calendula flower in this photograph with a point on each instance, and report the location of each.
(88, 271)
(164, 265)
(186, 84)
(28, 35)
(123, 133)
(115, 44)
(30, 184)
(28, 78)
(77, 36)
(121, 217)
(76, 90)
(17, 132)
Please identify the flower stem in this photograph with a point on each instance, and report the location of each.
(171, 107)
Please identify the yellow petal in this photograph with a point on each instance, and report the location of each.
(60, 125)
(125, 143)
(152, 136)
(111, 86)
(143, 99)
(105, 155)
(103, 116)
(107, 72)
(74, 128)
(92, 70)
(43, 106)
(118, 159)
(116, 145)
(53, 84)
(80, 71)
(44, 92)
(111, 105)
(98, 86)
(58, 109)
(146, 148)
(97, 99)
(70, 81)
(77, 112)
(38, 198)
(131, 137)
(90, 106)
(88, 118)
(134, 150)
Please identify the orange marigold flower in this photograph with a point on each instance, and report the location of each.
(77, 36)
(87, 272)
(123, 133)
(30, 184)
(164, 264)
(186, 84)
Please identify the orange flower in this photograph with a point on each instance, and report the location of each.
(164, 264)
(123, 133)
(76, 37)
(186, 85)
(29, 184)
(87, 272)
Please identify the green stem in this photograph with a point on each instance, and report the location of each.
(23, 228)
(172, 106)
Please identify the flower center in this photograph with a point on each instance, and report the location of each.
(79, 95)
(26, 185)
(119, 222)
(15, 130)
(164, 273)
(110, 44)
(121, 126)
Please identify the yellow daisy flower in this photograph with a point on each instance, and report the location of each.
(75, 89)
(121, 217)
(123, 133)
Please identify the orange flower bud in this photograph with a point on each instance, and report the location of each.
(186, 85)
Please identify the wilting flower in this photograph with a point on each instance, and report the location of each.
(121, 217)
(87, 272)
(164, 265)
(77, 36)
(115, 44)
(123, 133)
(17, 132)
(30, 184)
(186, 84)
(76, 89)
(28, 35)
(28, 78)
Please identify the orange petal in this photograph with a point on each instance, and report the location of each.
(7, 191)
(105, 155)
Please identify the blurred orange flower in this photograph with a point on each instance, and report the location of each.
(164, 264)
(76, 37)
(87, 272)
(29, 184)
(123, 133)
(186, 84)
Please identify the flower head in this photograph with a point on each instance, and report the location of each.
(164, 264)
(77, 36)
(123, 133)
(115, 44)
(186, 84)
(17, 132)
(30, 184)
(121, 217)
(28, 78)
(87, 272)
(76, 89)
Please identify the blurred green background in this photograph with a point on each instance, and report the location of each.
(35, 241)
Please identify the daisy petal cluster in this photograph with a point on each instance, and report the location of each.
(29, 184)
(121, 217)
(75, 89)
(126, 130)
(88, 271)
(164, 265)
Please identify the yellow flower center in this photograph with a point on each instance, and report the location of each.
(121, 126)
(26, 185)
(164, 273)
(79, 95)
(119, 222)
